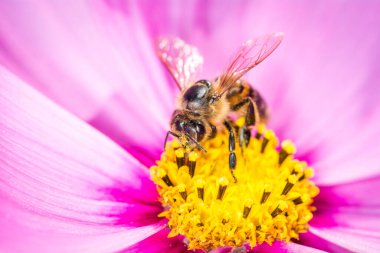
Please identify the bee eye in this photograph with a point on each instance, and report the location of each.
(205, 82)
(196, 92)
(200, 131)
(179, 125)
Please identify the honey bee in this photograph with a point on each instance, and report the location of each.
(204, 106)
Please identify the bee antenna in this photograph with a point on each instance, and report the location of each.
(196, 143)
(167, 136)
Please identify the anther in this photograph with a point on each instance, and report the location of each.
(223, 183)
(302, 199)
(297, 201)
(260, 130)
(200, 184)
(192, 163)
(182, 191)
(308, 173)
(306, 218)
(180, 158)
(297, 169)
(226, 217)
(268, 135)
(161, 173)
(266, 194)
(247, 208)
(265, 197)
(287, 148)
(292, 179)
(279, 209)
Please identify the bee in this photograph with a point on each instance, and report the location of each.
(205, 106)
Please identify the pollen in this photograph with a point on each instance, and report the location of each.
(271, 198)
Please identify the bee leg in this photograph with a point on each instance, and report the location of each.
(167, 136)
(244, 136)
(213, 131)
(252, 115)
(231, 146)
(251, 118)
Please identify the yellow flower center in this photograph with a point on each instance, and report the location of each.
(269, 200)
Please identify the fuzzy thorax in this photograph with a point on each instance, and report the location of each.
(271, 199)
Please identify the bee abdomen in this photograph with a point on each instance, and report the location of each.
(242, 90)
(260, 103)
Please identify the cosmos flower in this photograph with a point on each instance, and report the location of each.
(85, 105)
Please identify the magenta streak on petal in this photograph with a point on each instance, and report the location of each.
(56, 177)
(281, 247)
(363, 193)
(160, 242)
(352, 205)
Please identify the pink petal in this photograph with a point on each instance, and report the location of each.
(276, 247)
(63, 186)
(311, 240)
(354, 240)
(353, 206)
(298, 248)
(160, 242)
(362, 218)
(360, 193)
(80, 54)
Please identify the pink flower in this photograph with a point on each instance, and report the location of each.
(66, 187)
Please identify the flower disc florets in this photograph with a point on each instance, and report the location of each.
(269, 200)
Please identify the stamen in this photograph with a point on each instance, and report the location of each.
(308, 173)
(247, 208)
(268, 135)
(279, 209)
(260, 131)
(223, 183)
(182, 191)
(162, 174)
(180, 157)
(292, 179)
(297, 201)
(192, 163)
(266, 194)
(200, 184)
(263, 197)
(287, 148)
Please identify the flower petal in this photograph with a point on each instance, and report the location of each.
(311, 240)
(160, 242)
(65, 187)
(361, 193)
(276, 247)
(351, 208)
(80, 54)
(354, 240)
(361, 218)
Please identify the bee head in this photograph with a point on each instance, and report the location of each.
(188, 127)
(196, 96)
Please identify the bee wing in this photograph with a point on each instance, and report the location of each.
(182, 60)
(250, 54)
